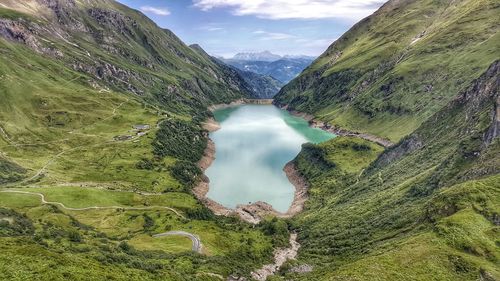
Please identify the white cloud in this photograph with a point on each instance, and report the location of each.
(155, 10)
(212, 27)
(215, 28)
(295, 9)
(273, 35)
(312, 43)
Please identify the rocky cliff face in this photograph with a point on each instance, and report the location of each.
(467, 128)
(121, 49)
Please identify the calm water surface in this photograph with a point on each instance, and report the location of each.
(252, 147)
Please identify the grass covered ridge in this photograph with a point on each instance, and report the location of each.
(397, 67)
(425, 209)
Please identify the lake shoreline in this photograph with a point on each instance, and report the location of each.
(315, 123)
(215, 107)
(255, 212)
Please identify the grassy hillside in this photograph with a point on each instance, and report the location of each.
(76, 77)
(396, 68)
(86, 245)
(76, 74)
(425, 209)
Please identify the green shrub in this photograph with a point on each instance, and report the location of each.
(75, 236)
(14, 224)
(201, 213)
(186, 173)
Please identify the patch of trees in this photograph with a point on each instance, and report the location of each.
(200, 213)
(148, 222)
(361, 147)
(10, 171)
(277, 229)
(187, 173)
(180, 139)
(312, 161)
(145, 164)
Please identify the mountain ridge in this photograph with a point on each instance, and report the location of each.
(424, 74)
(258, 56)
(264, 56)
(418, 196)
(283, 69)
(369, 80)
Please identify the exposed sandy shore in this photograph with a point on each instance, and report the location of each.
(252, 213)
(315, 123)
(240, 102)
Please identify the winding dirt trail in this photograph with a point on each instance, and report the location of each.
(54, 158)
(194, 238)
(42, 197)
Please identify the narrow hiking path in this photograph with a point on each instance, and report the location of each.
(42, 197)
(35, 143)
(113, 114)
(194, 238)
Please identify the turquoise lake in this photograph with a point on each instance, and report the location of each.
(252, 147)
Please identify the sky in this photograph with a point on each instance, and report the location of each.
(284, 27)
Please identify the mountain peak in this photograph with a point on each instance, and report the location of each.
(257, 56)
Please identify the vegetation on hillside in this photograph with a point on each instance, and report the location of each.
(76, 80)
(10, 172)
(424, 209)
(396, 68)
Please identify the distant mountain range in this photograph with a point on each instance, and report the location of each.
(260, 56)
(283, 68)
(261, 86)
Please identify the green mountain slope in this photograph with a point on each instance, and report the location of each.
(396, 68)
(425, 209)
(101, 127)
(69, 67)
(263, 86)
(93, 97)
(424, 74)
